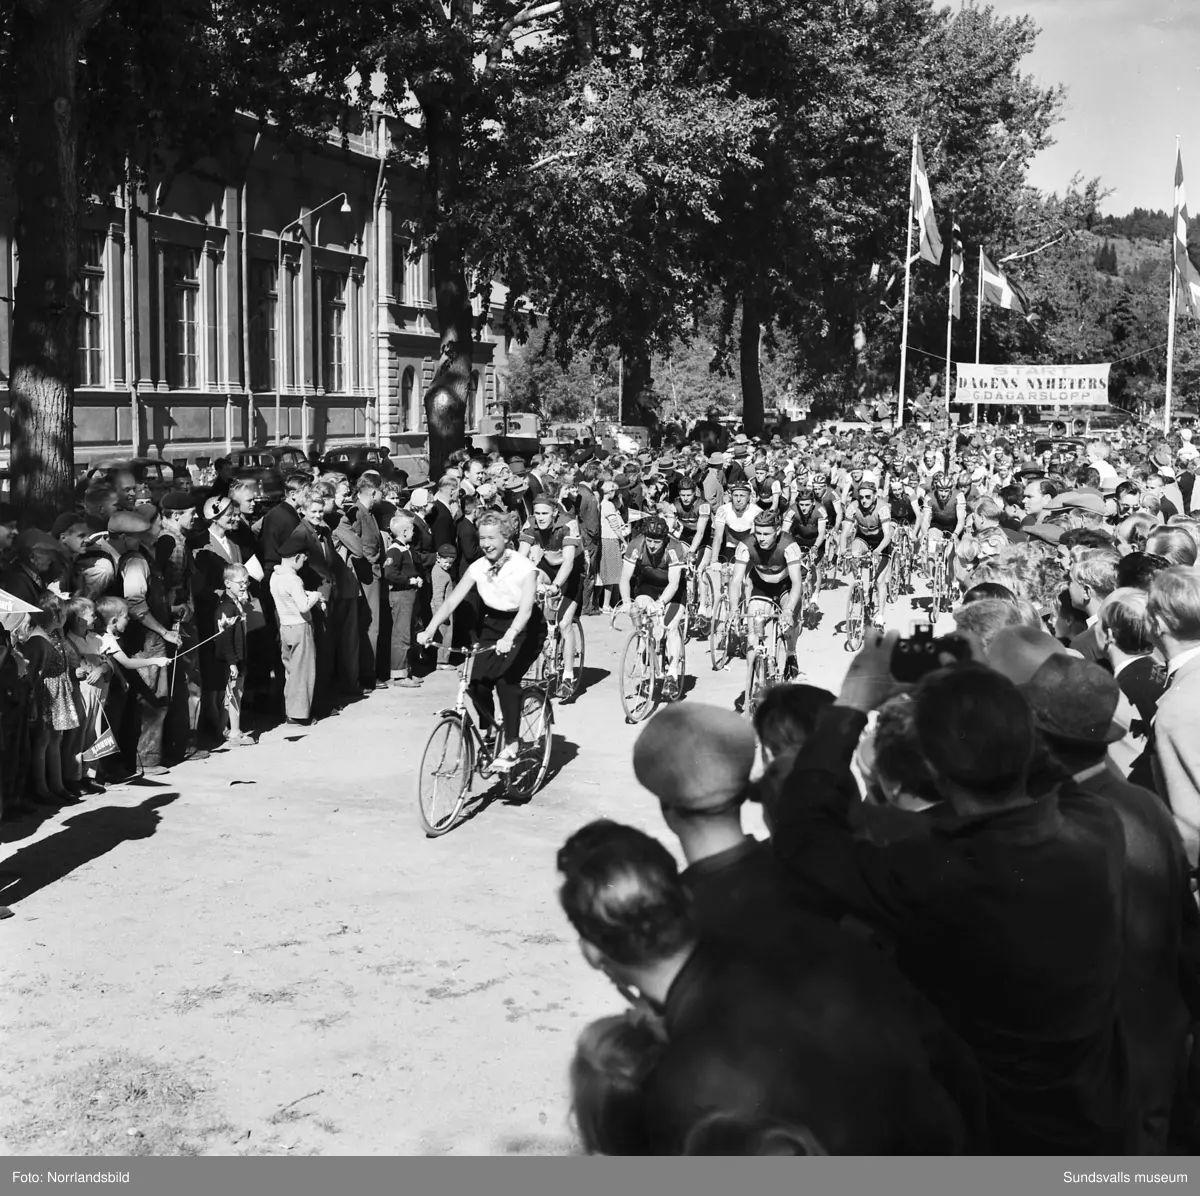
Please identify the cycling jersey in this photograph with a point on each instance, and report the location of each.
(691, 517)
(769, 564)
(829, 501)
(868, 525)
(900, 502)
(651, 573)
(547, 544)
(738, 528)
(805, 529)
(944, 516)
(766, 492)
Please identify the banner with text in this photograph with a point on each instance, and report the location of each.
(1033, 385)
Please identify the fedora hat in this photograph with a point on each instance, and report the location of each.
(1074, 701)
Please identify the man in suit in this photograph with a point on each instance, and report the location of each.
(1008, 883)
(368, 566)
(320, 574)
(588, 514)
(438, 516)
(1074, 704)
(1092, 579)
(1174, 612)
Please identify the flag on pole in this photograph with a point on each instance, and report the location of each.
(1001, 290)
(1189, 277)
(956, 272)
(922, 204)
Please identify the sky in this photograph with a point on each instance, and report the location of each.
(1132, 71)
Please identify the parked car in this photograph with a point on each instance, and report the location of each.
(356, 459)
(153, 472)
(267, 467)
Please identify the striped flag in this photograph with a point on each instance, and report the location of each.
(1001, 290)
(956, 271)
(1189, 277)
(922, 205)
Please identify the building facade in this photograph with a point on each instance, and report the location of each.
(269, 297)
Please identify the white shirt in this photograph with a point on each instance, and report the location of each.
(1104, 469)
(501, 588)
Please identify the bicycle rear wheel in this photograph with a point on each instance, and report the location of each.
(855, 617)
(445, 775)
(720, 634)
(525, 778)
(755, 676)
(580, 657)
(639, 676)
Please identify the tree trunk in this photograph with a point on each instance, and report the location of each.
(48, 37)
(638, 405)
(446, 399)
(750, 340)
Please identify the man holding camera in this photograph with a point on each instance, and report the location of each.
(1007, 914)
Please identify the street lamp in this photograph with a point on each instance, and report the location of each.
(279, 292)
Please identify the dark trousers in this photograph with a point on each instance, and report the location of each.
(323, 682)
(183, 714)
(403, 605)
(370, 621)
(591, 567)
(343, 629)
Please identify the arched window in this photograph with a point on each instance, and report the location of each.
(407, 386)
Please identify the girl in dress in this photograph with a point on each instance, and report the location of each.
(54, 700)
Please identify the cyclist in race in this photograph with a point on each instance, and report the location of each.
(851, 479)
(733, 524)
(552, 541)
(868, 530)
(694, 518)
(652, 574)
(510, 622)
(808, 524)
(768, 490)
(944, 516)
(828, 498)
(771, 562)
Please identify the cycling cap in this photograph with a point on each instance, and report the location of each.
(654, 528)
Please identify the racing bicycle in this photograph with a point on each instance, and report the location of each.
(766, 652)
(548, 668)
(645, 663)
(862, 600)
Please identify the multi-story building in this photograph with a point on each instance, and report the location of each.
(268, 297)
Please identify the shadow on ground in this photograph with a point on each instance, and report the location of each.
(83, 838)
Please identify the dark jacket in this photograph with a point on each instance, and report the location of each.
(368, 561)
(230, 645)
(1161, 957)
(441, 525)
(320, 559)
(1011, 924)
(468, 546)
(277, 525)
(589, 518)
(400, 566)
(753, 1033)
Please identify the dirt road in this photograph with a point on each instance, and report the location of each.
(264, 954)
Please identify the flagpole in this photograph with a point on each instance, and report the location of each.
(978, 326)
(912, 170)
(950, 310)
(1171, 307)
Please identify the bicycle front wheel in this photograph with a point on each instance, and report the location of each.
(719, 634)
(580, 657)
(638, 677)
(445, 775)
(856, 617)
(525, 778)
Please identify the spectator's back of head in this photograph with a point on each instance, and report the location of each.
(732, 1134)
(976, 731)
(1173, 543)
(987, 617)
(622, 894)
(1138, 568)
(1174, 603)
(786, 716)
(612, 1059)
(1126, 621)
(988, 590)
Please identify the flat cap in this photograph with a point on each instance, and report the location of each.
(178, 500)
(695, 757)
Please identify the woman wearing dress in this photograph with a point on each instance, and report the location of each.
(506, 583)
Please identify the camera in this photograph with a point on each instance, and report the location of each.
(923, 653)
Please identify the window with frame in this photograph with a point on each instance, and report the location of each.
(181, 279)
(334, 327)
(89, 348)
(400, 248)
(264, 325)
